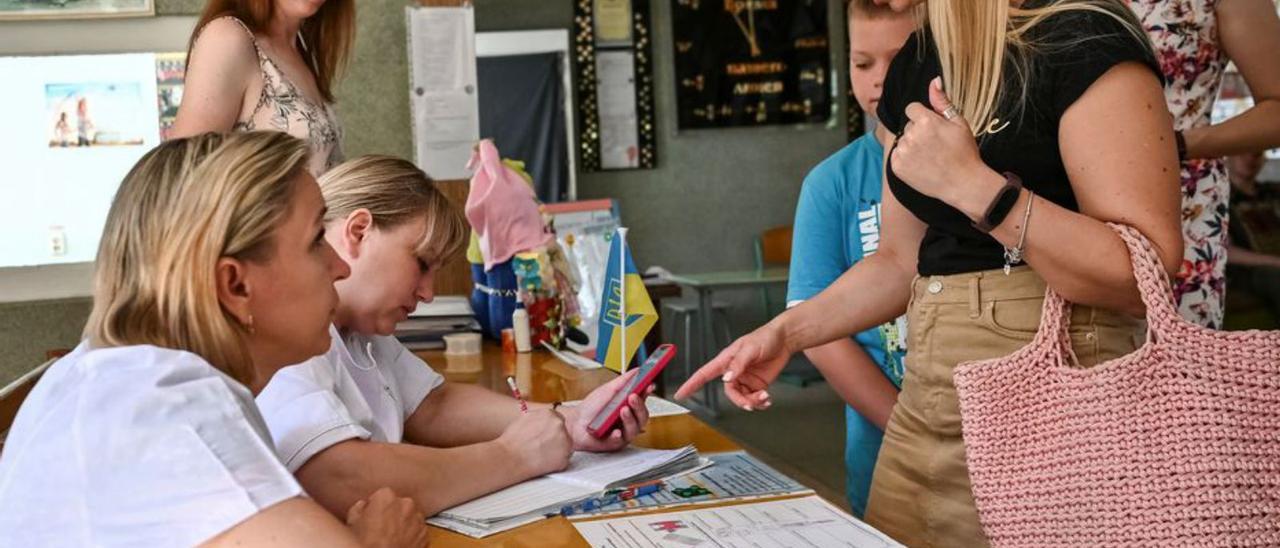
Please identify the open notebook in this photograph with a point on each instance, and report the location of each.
(588, 475)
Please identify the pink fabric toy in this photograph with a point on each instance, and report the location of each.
(1177, 444)
(502, 208)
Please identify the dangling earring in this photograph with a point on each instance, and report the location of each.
(249, 326)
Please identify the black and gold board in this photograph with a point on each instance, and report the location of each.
(751, 62)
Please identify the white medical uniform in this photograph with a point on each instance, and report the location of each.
(365, 387)
(135, 446)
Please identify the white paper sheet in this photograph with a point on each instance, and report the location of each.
(444, 305)
(446, 109)
(574, 359)
(807, 521)
(658, 407)
(616, 92)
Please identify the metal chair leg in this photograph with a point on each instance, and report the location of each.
(688, 341)
(724, 322)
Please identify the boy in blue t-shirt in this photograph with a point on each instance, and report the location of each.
(837, 224)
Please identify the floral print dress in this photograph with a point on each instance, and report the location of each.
(282, 107)
(1185, 35)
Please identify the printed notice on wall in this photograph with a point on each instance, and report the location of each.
(446, 110)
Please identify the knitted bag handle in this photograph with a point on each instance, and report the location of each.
(1153, 286)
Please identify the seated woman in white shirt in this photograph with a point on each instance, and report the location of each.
(339, 420)
(212, 274)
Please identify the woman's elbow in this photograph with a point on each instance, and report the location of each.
(1169, 249)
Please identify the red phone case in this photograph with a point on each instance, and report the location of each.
(607, 419)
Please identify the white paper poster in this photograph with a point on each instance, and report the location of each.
(616, 92)
(446, 109)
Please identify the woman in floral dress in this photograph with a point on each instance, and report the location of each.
(1194, 41)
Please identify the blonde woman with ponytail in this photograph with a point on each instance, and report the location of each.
(1015, 130)
(212, 274)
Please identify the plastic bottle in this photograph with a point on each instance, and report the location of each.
(520, 324)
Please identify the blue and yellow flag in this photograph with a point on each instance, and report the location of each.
(641, 316)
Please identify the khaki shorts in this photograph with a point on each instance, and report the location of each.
(920, 492)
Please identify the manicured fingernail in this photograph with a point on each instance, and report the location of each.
(937, 83)
(728, 376)
(748, 408)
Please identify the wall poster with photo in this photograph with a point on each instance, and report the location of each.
(74, 9)
(96, 114)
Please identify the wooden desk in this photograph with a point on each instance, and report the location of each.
(544, 378)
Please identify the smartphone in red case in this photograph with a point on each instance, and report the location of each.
(607, 419)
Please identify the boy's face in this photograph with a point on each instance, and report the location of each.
(873, 42)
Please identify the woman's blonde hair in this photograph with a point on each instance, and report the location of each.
(395, 191)
(325, 39)
(978, 40)
(185, 205)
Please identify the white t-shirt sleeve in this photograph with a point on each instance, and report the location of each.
(414, 378)
(304, 413)
(185, 458)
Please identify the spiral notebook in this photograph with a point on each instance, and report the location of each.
(588, 475)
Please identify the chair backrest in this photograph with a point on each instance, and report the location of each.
(12, 396)
(773, 247)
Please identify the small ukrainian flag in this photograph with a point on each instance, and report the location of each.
(624, 295)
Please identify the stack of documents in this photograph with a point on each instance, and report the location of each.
(426, 327)
(588, 475)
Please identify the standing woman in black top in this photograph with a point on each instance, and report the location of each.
(1052, 123)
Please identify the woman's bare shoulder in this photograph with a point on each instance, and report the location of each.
(226, 42)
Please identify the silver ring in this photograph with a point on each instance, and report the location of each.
(950, 113)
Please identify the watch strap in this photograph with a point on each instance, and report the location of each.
(1001, 205)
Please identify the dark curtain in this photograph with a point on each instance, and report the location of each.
(522, 110)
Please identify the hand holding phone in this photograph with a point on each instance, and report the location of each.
(607, 419)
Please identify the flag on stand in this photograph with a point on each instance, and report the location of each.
(624, 297)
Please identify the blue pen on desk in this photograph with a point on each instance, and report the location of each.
(596, 503)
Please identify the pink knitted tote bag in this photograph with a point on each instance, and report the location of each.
(1176, 444)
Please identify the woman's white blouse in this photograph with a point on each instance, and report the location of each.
(135, 446)
(365, 387)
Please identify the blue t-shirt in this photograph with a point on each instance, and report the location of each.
(837, 224)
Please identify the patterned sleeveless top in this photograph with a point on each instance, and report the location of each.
(1185, 36)
(283, 107)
